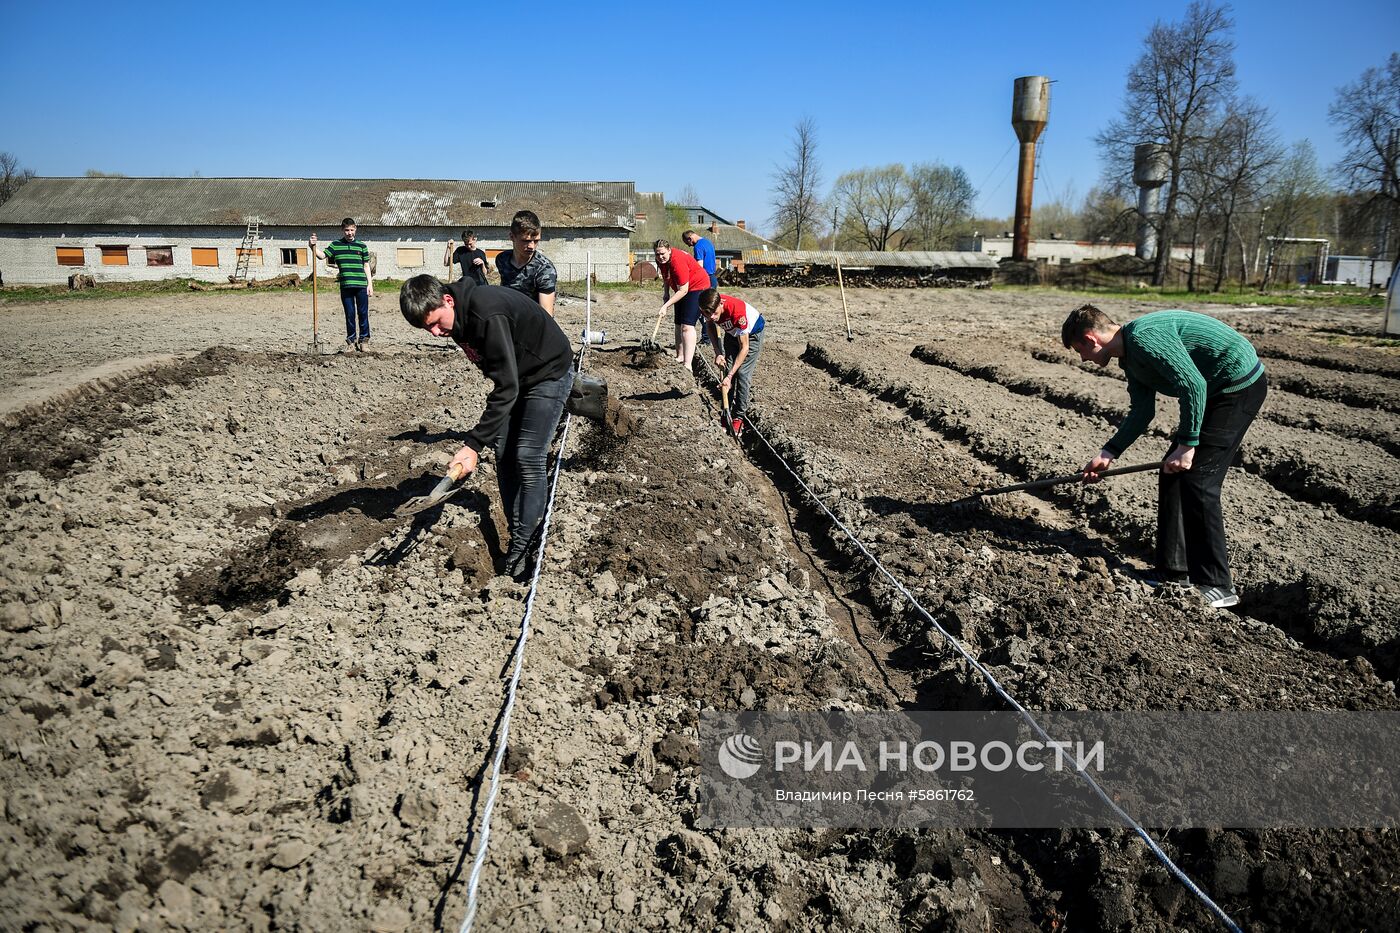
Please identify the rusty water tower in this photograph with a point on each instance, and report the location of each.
(1030, 111)
(1150, 168)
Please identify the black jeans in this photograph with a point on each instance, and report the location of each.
(1190, 524)
(522, 461)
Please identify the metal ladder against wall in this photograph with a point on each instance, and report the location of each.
(245, 252)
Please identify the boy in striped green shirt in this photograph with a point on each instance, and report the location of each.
(351, 260)
(1218, 381)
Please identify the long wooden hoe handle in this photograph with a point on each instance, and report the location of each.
(1067, 478)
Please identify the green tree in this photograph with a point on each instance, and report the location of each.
(942, 199)
(874, 204)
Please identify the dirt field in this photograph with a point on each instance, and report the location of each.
(238, 694)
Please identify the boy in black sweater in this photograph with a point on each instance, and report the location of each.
(521, 349)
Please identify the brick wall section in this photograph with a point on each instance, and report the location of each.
(28, 253)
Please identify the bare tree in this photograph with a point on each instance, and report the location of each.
(1295, 200)
(796, 204)
(1185, 73)
(1250, 154)
(1107, 215)
(875, 203)
(11, 175)
(1367, 113)
(1057, 214)
(1202, 170)
(689, 197)
(942, 201)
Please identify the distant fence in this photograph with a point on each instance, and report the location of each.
(602, 271)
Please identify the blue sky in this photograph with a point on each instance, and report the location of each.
(665, 95)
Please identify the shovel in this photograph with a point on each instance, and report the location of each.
(445, 489)
(724, 410)
(977, 497)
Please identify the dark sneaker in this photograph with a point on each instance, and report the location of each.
(1156, 578)
(1218, 597)
(737, 427)
(521, 570)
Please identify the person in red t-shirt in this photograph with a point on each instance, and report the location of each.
(685, 279)
(742, 328)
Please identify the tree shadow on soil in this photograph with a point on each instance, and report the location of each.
(376, 502)
(1011, 533)
(422, 436)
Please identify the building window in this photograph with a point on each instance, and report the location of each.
(70, 255)
(204, 256)
(409, 258)
(160, 255)
(113, 255)
(293, 256)
(254, 255)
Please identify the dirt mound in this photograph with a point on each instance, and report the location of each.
(55, 440)
(727, 675)
(250, 575)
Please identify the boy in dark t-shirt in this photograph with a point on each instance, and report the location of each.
(472, 260)
(524, 268)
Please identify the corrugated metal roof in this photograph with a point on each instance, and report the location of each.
(377, 202)
(730, 238)
(917, 259)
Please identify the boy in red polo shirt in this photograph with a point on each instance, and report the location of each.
(685, 279)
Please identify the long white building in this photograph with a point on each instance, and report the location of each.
(140, 229)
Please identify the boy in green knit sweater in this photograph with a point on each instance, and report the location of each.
(1218, 381)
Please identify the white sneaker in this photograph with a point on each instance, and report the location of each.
(1218, 597)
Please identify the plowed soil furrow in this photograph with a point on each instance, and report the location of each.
(1358, 478)
(1302, 568)
(1358, 389)
(1060, 625)
(1284, 407)
(1316, 353)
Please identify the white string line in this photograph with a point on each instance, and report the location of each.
(1025, 714)
(474, 880)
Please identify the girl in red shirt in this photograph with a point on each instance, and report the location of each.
(685, 279)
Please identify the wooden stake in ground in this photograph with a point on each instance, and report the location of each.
(844, 310)
(315, 330)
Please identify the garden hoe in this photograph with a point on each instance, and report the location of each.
(969, 501)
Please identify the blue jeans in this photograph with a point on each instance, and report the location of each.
(522, 461)
(355, 299)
